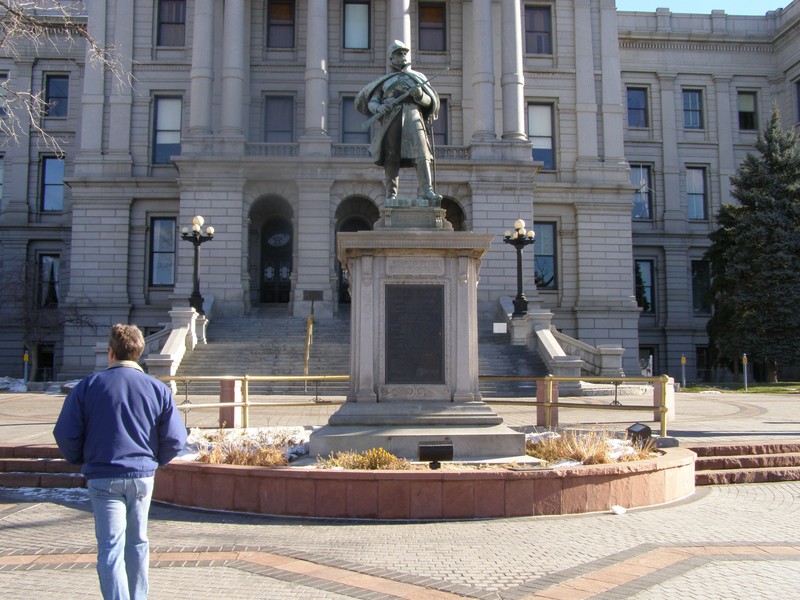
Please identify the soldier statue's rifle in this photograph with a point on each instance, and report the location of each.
(392, 102)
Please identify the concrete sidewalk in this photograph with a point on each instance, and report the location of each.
(724, 542)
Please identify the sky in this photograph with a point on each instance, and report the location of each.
(704, 7)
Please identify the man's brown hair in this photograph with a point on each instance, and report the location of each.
(126, 342)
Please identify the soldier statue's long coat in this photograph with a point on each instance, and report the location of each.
(414, 143)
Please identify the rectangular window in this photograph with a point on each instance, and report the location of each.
(644, 277)
(544, 252)
(162, 252)
(540, 132)
(441, 135)
(52, 184)
(56, 95)
(3, 93)
(637, 108)
(643, 196)
(171, 23)
(356, 24)
(747, 111)
(280, 24)
(696, 194)
(167, 128)
(538, 30)
(352, 133)
(48, 272)
(279, 119)
(797, 98)
(432, 27)
(692, 109)
(701, 287)
(2, 178)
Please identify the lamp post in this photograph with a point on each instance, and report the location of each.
(197, 237)
(519, 238)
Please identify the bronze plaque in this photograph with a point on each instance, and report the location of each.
(414, 333)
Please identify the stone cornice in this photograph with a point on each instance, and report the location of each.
(696, 45)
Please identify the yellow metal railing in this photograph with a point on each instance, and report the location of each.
(246, 402)
(309, 341)
(547, 403)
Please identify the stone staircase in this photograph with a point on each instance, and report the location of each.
(270, 342)
(746, 463)
(37, 467)
(496, 356)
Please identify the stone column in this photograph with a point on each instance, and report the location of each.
(586, 99)
(513, 79)
(315, 139)
(235, 35)
(727, 163)
(674, 216)
(119, 144)
(313, 226)
(483, 73)
(613, 122)
(399, 22)
(93, 97)
(202, 74)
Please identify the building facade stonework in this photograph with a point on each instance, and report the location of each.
(614, 133)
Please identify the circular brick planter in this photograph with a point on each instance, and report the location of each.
(427, 495)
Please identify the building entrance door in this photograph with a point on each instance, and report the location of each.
(276, 261)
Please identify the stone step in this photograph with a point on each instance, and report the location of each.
(762, 475)
(740, 449)
(755, 462)
(747, 461)
(37, 465)
(30, 451)
(42, 480)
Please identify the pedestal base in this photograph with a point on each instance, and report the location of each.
(473, 428)
(469, 443)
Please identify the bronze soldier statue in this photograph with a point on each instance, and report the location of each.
(405, 105)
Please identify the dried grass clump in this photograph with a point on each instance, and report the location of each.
(371, 460)
(247, 453)
(586, 447)
(259, 449)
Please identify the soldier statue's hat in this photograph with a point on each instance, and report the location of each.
(395, 46)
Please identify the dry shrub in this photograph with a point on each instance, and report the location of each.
(587, 447)
(244, 453)
(372, 459)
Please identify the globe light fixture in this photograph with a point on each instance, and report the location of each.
(519, 238)
(197, 237)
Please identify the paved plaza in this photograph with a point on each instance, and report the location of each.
(725, 542)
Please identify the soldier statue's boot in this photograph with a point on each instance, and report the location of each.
(392, 181)
(392, 184)
(424, 174)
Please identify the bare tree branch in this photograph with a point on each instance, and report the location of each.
(31, 27)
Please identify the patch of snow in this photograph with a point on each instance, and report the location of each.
(24, 494)
(13, 385)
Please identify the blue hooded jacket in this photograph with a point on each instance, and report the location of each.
(120, 423)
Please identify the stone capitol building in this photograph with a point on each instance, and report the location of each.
(612, 134)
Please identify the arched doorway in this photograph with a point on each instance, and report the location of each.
(270, 251)
(276, 261)
(453, 213)
(354, 214)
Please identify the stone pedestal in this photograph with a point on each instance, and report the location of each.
(414, 342)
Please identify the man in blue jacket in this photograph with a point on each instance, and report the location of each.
(120, 425)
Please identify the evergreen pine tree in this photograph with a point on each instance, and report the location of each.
(755, 258)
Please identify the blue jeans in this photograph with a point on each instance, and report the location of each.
(121, 508)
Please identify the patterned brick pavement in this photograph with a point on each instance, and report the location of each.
(738, 541)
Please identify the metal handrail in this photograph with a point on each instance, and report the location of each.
(309, 341)
(547, 403)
